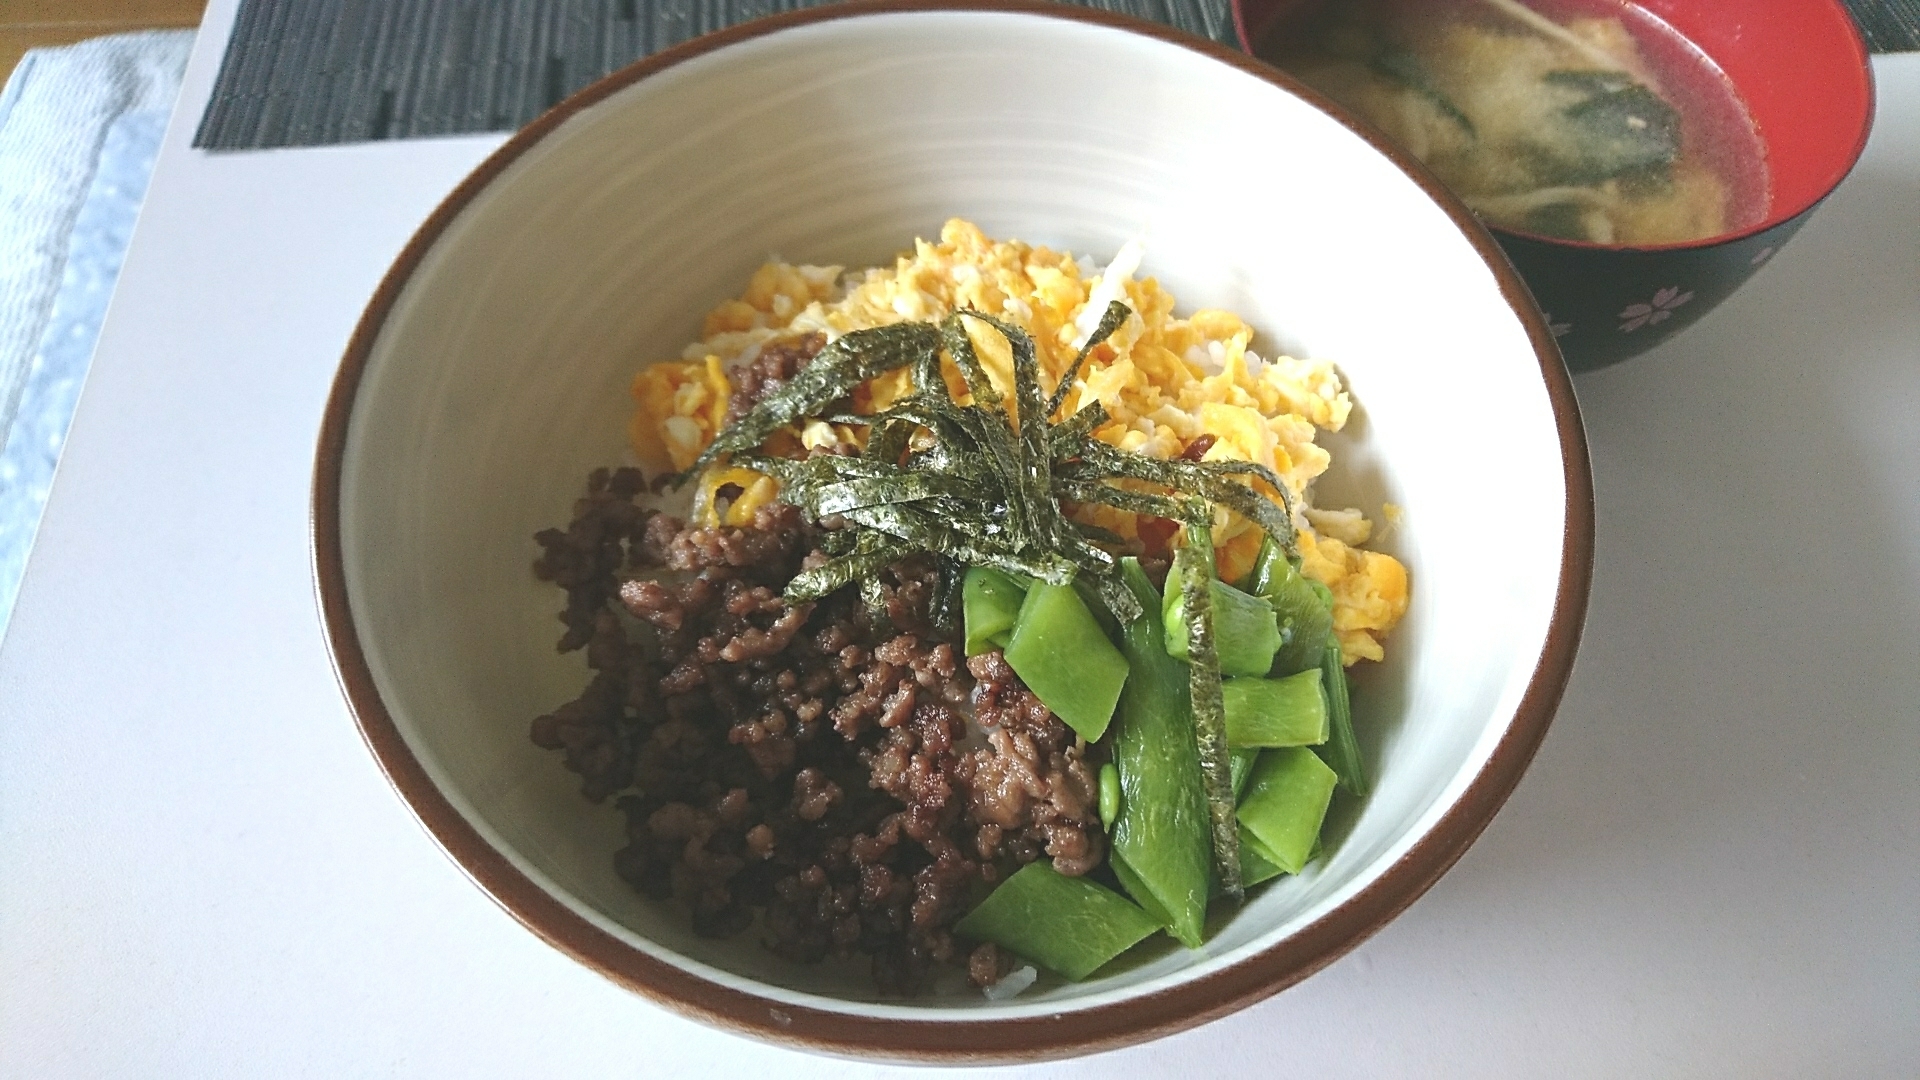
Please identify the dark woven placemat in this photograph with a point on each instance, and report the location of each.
(1889, 25)
(314, 72)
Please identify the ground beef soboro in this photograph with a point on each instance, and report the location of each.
(776, 362)
(800, 768)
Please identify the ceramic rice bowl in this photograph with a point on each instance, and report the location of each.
(490, 374)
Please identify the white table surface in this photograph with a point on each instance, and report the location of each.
(1712, 869)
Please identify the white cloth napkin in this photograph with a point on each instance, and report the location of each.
(79, 128)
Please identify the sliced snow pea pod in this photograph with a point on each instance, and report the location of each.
(1245, 633)
(1065, 924)
(1162, 844)
(1059, 651)
(1256, 862)
(990, 600)
(1137, 889)
(1285, 804)
(1342, 750)
(1303, 607)
(1241, 762)
(1110, 320)
(1275, 712)
(1266, 569)
(1259, 846)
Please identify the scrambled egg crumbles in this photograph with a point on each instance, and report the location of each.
(1169, 384)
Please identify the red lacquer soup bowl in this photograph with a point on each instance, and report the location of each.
(1800, 68)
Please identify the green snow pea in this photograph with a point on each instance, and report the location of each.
(1257, 864)
(1245, 634)
(1242, 764)
(990, 601)
(1137, 889)
(1342, 750)
(1065, 924)
(1275, 712)
(1303, 607)
(1285, 804)
(1162, 838)
(1062, 655)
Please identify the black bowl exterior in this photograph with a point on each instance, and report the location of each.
(1605, 305)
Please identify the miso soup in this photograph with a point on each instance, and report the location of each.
(1582, 120)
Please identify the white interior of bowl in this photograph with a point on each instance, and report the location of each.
(500, 379)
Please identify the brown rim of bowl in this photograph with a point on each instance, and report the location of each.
(1032, 1038)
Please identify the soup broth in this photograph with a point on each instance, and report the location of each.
(1580, 120)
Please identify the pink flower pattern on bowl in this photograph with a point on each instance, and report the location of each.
(1655, 311)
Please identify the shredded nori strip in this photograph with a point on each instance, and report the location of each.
(809, 585)
(1067, 434)
(888, 439)
(882, 490)
(945, 607)
(1209, 706)
(1035, 461)
(1110, 320)
(960, 348)
(1098, 534)
(831, 375)
(1097, 459)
